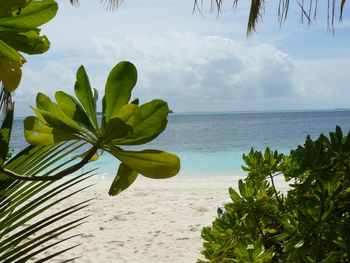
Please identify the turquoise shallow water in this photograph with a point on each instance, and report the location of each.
(216, 141)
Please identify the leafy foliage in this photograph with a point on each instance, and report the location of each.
(19, 33)
(122, 123)
(308, 224)
(23, 234)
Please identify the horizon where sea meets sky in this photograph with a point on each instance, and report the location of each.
(214, 143)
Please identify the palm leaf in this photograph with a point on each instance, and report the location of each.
(308, 10)
(22, 235)
(5, 100)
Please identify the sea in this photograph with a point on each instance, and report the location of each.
(215, 142)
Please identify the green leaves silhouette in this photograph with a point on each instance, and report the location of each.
(19, 32)
(122, 123)
(309, 223)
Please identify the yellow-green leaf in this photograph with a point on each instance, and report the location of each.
(32, 16)
(72, 108)
(120, 83)
(153, 122)
(122, 122)
(37, 133)
(84, 94)
(10, 73)
(11, 53)
(124, 178)
(54, 115)
(150, 163)
(6, 6)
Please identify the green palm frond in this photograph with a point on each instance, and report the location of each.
(22, 202)
(256, 8)
(110, 4)
(5, 100)
(308, 11)
(27, 228)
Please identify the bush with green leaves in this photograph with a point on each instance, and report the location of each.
(309, 223)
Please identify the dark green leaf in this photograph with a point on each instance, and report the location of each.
(32, 16)
(5, 134)
(84, 94)
(28, 42)
(124, 178)
(72, 108)
(153, 122)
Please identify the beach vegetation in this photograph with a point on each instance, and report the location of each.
(308, 223)
(29, 227)
(123, 123)
(29, 185)
(20, 33)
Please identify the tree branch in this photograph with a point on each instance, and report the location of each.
(276, 194)
(57, 176)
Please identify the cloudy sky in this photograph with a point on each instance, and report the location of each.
(196, 62)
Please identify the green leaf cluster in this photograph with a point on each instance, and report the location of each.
(310, 223)
(19, 32)
(122, 123)
(25, 233)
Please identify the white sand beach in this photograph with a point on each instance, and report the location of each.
(153, 221)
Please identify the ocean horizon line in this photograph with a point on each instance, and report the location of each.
(259, 111)
(242, 112)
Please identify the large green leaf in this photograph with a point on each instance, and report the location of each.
(37, 133)
(150, 163)
(120, 82)
(32, 16)
(10, 74)
(84, 94)
(54, 115)
(5, 134)
(129, 114)
(154, 120)
(116, 129)
(6, 6)
(123, 122)
(124, 178)
(72, 108)
(28, 42)
(11, 53)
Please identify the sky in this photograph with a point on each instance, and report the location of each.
(195, 61)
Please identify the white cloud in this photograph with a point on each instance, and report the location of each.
(196, 72)
(189, 61)
(323, 82)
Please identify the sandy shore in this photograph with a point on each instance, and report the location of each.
(152, 221)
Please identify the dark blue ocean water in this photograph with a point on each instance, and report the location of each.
(216, 142)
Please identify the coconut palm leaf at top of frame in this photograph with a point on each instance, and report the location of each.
(122, 123)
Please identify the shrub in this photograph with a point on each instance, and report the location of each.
(309, 223)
